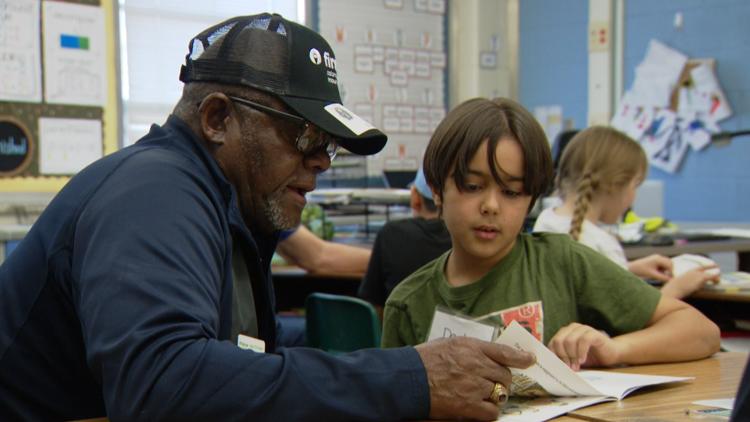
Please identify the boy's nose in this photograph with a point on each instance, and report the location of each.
(491, 202)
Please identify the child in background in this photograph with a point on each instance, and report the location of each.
(487, 163)
(402, 246)
(598, 175)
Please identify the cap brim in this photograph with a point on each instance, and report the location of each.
(357, 135)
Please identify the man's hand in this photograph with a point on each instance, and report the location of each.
(462, 372)
(581, 345)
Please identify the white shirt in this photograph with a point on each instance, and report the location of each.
(591, 235)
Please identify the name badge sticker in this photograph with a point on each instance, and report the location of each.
(251, 343)
(347, 117)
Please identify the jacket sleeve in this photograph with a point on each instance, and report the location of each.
(148, 264)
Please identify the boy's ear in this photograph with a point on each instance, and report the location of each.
(436, 198)
(215, 118)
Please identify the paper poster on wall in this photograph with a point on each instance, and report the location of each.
(74, 54)
(632, 118)
(672, 152)
(674, 105)
(20, 52)
(707, 84)
(16, 146)
(393, 58)
(551, 119)
(657, 75)
(66, 146)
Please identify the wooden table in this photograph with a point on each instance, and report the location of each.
(739, 245)
(723, 308)
(716, 377)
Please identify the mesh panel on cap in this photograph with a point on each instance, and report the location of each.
(263, 51)
(198, 48)
(254, 54)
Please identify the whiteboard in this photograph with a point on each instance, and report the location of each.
(391, 60)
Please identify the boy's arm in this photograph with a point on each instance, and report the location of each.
(675, 332)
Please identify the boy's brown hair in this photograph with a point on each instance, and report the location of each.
(458, 137)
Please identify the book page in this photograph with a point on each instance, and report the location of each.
(619, 385)
(532, 409)
(536, 391)
(549, 375)
(733, 281)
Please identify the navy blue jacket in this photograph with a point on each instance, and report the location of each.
(118, 302)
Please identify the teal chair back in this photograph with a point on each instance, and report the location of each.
(340, 324)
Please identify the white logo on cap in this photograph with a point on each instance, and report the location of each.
(315, 56)
(343, 113)
(330, 61)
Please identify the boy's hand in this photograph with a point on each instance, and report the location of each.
(652, 267)
(580, 345)
(462, 372)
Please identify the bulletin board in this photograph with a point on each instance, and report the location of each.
(391, 58)
(58, 94)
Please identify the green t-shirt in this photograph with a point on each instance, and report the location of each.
(546, 282)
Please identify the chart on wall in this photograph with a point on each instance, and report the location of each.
(391, 61)
(53, 86)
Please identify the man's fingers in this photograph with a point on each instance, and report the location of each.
(508, 356)
(486, 411)
(462, 377)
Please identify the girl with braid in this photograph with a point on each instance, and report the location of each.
(599, 173)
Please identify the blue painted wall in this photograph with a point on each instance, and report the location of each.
(553, 56)
(711, 185)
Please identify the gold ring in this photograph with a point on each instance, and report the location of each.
(499, 394)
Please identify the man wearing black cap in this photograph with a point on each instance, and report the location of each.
(130, 295)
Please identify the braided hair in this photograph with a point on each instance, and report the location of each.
(598, 160)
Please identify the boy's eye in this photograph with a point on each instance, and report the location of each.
(473, 187)
(511, 193)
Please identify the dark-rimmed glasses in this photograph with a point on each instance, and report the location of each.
(309, 141)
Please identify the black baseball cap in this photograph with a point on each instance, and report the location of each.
(284, 58)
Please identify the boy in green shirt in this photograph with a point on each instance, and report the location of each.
(487, 163)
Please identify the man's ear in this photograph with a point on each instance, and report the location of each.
(215, 115)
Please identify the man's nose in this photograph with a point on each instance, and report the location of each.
(318, 162)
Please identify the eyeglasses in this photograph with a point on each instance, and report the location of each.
(309, 141)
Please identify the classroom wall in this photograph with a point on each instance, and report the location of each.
(553, 56)
(712, 185)
(22, 199)
(17, 190)
(482, 29)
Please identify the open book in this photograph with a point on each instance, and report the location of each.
(728, 281)
(549, 388)
(734, 281)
